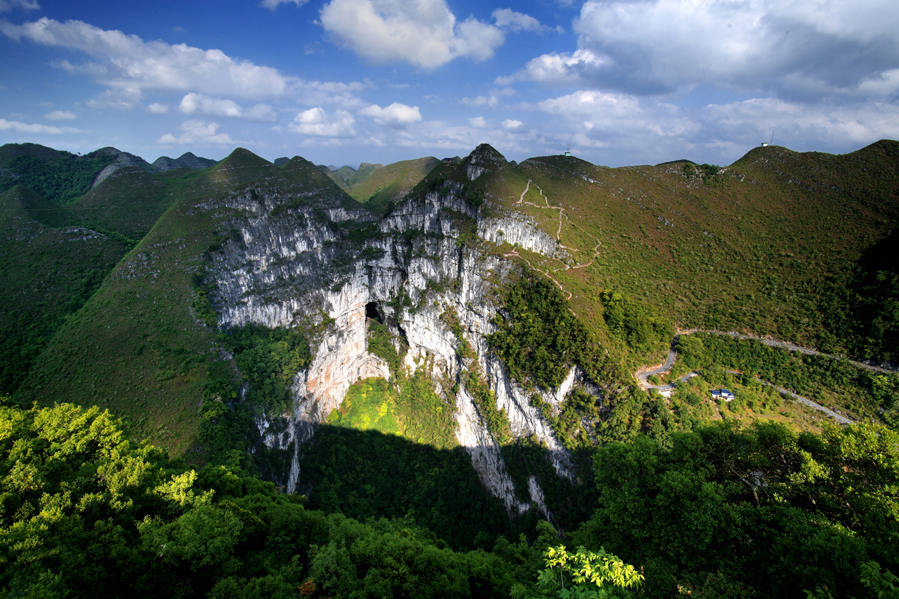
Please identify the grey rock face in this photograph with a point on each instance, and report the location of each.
(301, 269)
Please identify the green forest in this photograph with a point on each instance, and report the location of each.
(61, 181)
(150, 430)
(722, 511)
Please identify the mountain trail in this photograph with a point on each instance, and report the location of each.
(644, 373)
(562, 217)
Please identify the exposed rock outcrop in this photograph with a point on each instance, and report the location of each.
(301, 268)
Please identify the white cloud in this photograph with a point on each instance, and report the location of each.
(127, 62)
(559, 69)
(797, 50)
(20, 127)
(261, 113)
(512, 125)
(476, 39)
(194, 103)
(317, 122)
(478, 122)
(8, 5)
(423, 33)
(116, 99)
(345, 95)
(273, 4)
(157, 108)
(60, 115)
(507, 18)
(628, 129)
(197, 132)
(492, 100)
(395, 115)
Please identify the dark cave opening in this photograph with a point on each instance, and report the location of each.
(373, 311)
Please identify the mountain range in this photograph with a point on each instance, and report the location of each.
(487, 317)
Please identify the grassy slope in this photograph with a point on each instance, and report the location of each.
(136, 346)
(748, 250)
(392, 182)
(347, 178)
(48, 269)
(129, 201)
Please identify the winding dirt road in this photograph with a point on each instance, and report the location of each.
(644, 374)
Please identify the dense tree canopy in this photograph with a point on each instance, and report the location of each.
(763, 510)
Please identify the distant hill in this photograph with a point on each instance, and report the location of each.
(129, 201)
(161, 164)
(348, 178)
(186, 160)
(389, 184)
(118, 160)
(60, 177)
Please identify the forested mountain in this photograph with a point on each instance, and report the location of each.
(458, 369)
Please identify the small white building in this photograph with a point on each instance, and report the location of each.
(724, 394)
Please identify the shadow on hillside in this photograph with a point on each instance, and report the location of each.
(367, 474)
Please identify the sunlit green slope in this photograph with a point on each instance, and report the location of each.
(764, 245)
(138, 346)
(392, 182)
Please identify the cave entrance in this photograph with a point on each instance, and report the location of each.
(373, 311)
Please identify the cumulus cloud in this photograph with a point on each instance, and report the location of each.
(512, 125)
(273, 4)
(478, 122)
(506, 18)
(795, 50)
(157, 108)
(20, 127)
(194, 103)
(195, 132)
(395, 115)
(423, 33)
(319, 123)
(560, 69)
(623, 128)
(127, 62)
(60, 115)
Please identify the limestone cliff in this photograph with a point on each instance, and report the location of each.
(287, 261)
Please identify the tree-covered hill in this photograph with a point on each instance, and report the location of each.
(192, 304)
(61, 177)
(49, 267)
(140, 346)
(722, 512)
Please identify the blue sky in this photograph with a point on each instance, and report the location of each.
(621, 82)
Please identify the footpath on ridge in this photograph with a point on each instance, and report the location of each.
(644, 373)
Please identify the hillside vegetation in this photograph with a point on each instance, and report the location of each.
(388, 185)
(49, 268)
(766, 245)
(139, 346)
(174, 308)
